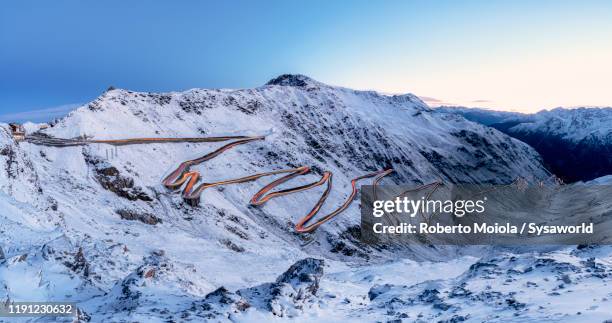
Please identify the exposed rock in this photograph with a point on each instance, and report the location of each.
(286, 297)
(291, 80)
(231, 245)
(79, 264)
(304, 273)
(112, 180)
(81, 316)
(377, 290)
(143, 217)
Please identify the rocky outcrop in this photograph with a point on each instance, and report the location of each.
(112, 180)
(288, 296)
(143, 217)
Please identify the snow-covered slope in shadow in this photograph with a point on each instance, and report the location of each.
(576, 144)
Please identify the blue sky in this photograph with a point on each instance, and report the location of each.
(513, 55)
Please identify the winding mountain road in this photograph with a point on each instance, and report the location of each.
(184, 176)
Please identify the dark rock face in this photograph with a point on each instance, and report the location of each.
(231, 245)
(221, 295)
(143, 217)
(304, 272)
(10, 160)
(349, 243)
(290, 80)
(218, 304)
(79, 263)
(112, 180)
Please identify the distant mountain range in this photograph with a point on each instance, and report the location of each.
(576, 144)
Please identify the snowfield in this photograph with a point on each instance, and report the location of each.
(93, 224)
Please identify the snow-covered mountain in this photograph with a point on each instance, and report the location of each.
(575, 125)
(486, 117)
(576, 144)
(93, 224)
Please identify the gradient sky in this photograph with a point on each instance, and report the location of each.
(510, 55)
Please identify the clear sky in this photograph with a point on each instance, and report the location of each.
(511, 55)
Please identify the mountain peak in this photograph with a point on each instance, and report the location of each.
(298, 80)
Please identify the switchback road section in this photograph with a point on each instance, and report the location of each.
(186, 178)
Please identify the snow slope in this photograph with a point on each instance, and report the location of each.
(94, 225)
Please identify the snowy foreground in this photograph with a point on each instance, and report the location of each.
(93, 224)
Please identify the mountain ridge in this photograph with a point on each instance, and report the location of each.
(576, 144)
(97, 218)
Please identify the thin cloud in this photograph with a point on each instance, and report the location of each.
(481, 101)
(429, 99)
(41, 115)
(434, 102)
